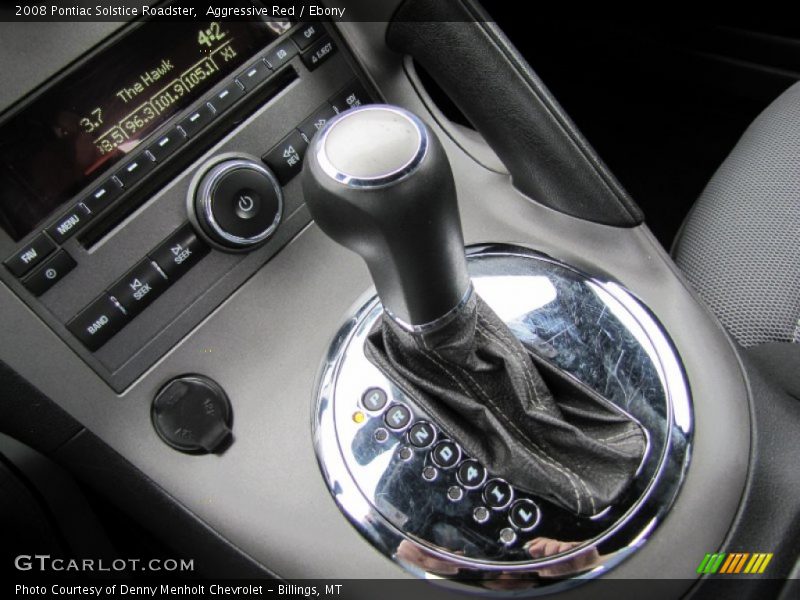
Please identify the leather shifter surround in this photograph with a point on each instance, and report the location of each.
(378, 181)
(571, 447)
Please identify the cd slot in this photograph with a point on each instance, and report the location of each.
(203, 126)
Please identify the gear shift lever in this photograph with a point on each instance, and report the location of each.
(378, 182)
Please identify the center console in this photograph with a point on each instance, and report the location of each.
(164, 246)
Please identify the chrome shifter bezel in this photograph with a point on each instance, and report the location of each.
(624, 528)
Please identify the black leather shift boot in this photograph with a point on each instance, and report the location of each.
(480, 384)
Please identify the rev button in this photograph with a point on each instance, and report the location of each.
(139, 287)
(286, 158)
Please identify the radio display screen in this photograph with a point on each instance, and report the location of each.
(76, 130)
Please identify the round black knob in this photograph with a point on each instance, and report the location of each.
(377, 181)
(237, 204)
(193, 414)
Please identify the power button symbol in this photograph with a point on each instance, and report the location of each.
(247, 204)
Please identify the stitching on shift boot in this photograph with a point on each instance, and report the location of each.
(571, 477)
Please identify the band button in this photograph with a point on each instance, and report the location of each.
(98, 322)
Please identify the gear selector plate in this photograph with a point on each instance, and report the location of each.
(419, 497)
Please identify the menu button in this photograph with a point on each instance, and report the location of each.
(70, 223)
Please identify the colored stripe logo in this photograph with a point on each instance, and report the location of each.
(733, 563)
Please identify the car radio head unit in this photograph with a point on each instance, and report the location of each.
(77, 129)
(105, 232)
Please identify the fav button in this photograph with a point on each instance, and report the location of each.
(30, 255)
(50, 273)
(139, 287)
